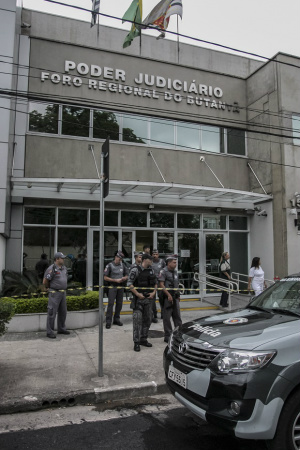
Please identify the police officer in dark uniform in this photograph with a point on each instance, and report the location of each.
(168, 281)
(137, 259)
(143, 283)
(157, 265)
(116, 274)
(56, 280)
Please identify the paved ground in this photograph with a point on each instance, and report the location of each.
(37, 372)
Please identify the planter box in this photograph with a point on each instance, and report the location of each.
(37, 322)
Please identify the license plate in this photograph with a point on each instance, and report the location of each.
(177, 376)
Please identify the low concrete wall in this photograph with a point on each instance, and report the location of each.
(37, 322)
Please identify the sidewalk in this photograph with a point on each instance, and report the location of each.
(38, 372)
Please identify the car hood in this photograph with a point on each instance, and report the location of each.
(243, 329)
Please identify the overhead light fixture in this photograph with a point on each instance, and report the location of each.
(151, 206)
(218, 210)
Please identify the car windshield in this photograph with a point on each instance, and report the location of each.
(283, 295)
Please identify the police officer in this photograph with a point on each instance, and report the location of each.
(168, 281)
(116, 274)
(137, 259)
(143, 283)
(56, 279)
(157, 265)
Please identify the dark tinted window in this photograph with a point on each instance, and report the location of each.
(75, 121)
(72, 217)
(236, 142)
(43, 118)
(40, 216)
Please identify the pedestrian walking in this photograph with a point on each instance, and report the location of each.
(41, 266)
(168, 281)
(225, 274)
(157, 265)
(116, 274)
(256, 277)
(143, 284)
(56, 280)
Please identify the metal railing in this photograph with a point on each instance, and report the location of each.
(229, 286)
(236, 277)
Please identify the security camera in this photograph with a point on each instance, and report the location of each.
(262, 213)
(202, 158)
(257, 208)
(25, 25)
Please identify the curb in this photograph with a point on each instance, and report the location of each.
(92, 396)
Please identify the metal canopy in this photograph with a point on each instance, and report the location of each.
(135, 192)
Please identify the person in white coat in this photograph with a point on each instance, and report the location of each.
(256, 277)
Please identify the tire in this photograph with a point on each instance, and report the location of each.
(287, 436)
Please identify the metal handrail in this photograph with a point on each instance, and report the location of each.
(230, 284)
(236, 277)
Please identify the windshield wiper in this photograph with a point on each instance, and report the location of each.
(258, 308)
(285, 311)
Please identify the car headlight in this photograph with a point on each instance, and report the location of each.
(241, 360)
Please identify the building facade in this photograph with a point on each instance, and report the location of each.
(203, 149)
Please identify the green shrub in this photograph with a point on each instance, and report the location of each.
(89, 300)
(6, 313)
(28, 285)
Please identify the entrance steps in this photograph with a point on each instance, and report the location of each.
(196, 304)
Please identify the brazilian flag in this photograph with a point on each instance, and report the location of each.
(133, 14)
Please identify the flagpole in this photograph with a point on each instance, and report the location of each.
(178, 40)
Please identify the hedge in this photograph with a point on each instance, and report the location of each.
(6, 313)
(89, 300)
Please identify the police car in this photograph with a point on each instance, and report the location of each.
(241, 370)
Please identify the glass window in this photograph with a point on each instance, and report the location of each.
(165, 243)
(127, 246)
(188, 258)
(161, 220)
(211, 140)
(106, 124)
(188, 135)
(238, 223)
(110, 218)
(37, 240)
(110, 245)
(238, 250)
(188, 220)
(296, 129)
(214, 222)
(40, 216)
(135, 129)
(72, 242)
(75, 121)
(72, 216)
(133, 219)
(236, 142)
(43, 118)
(162, 133)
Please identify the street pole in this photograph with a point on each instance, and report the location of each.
(101, 268)
(101, 258)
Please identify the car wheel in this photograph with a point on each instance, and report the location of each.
(287, 435)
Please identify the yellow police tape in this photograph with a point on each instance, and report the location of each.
(91, 288)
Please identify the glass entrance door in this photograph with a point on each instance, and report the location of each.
(214, 247)
(188, 260)
(110, 248)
